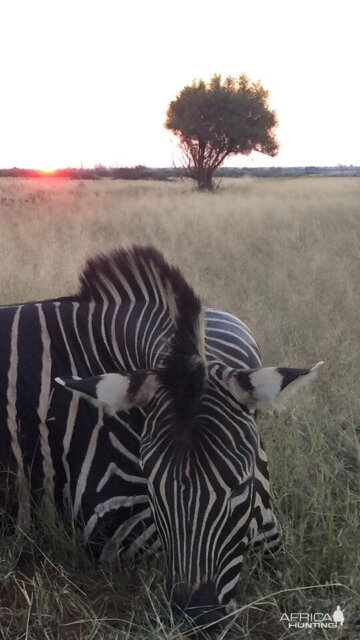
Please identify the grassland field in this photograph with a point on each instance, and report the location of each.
(283, 255)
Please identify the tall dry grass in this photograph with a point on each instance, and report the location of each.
(284, 256)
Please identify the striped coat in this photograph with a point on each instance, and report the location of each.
(153, 440)
(58, 444)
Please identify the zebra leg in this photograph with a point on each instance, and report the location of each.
(268, 538)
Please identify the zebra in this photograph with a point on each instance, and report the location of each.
(132, 407)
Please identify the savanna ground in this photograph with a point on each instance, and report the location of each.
(283, 255)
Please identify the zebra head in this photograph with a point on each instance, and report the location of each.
(200, 452)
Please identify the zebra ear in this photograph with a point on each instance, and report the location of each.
(115, 391)
(269, 386)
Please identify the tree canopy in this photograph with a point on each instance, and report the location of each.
(219, 119)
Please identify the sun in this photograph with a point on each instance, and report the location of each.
(47, 170)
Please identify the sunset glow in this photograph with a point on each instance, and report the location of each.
(101, 93)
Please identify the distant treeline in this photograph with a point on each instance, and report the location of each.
(170, 173)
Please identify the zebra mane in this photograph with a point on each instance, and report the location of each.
(122, 276)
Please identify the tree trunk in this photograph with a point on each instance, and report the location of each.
(204, 179)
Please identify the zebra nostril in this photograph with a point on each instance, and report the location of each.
(199, 603)
(180, 593)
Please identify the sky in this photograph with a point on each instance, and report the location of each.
(89, 82)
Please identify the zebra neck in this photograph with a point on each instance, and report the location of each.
(103, 336)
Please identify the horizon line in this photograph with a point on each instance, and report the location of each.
(174, 168)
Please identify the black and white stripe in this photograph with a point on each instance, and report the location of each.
(167, 449)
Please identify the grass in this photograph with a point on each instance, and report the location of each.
(284, 256)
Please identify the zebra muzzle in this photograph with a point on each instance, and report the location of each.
(201, 603)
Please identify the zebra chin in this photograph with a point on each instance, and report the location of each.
(201, 604)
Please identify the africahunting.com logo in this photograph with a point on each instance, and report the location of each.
(317, 620)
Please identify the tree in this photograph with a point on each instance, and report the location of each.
(218, 119)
